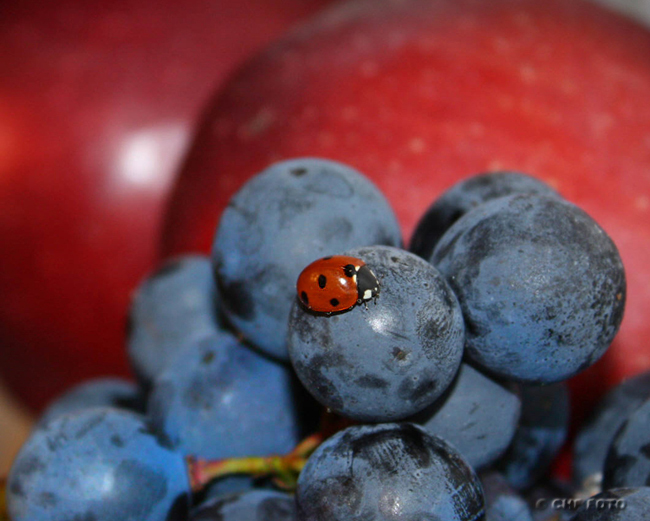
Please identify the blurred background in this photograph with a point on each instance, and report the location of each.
(99, 103)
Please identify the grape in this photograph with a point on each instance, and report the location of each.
(99, 392)
(99, 464)
(596, 435)
(501, 502)
(388, 472)
(541, 433)
(477, 414)
(219, 399)
(281, 220)
(257, 505)
(628, 460)
(530, 284)
(463, 197)
(169, 308)
(390, 360)
(541, 285)
(622, 504)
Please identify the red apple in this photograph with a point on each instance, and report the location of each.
(421, 93)
(97, 100)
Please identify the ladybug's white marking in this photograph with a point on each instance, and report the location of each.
(367, 295)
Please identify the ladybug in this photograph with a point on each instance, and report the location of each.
(336, 283)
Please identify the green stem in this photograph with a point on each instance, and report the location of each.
(284, 469)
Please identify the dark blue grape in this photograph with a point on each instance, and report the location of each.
(388, 472)
(628, 461)
(502, 503)
(98, 392)
(622, 504)
(256, 505)
(219, 399)
(169, 308)
(465, 196)
(98, 464)
(390, 359)
(596, 435)
(478, 415)
(541, 433)
(541, 285)
(283, 219)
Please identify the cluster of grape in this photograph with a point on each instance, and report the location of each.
(376, 389)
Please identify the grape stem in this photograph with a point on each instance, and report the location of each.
(284, 469)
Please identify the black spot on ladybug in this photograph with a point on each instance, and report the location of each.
(334, 302)
(304, 298)
(322, 281)
(349, 270)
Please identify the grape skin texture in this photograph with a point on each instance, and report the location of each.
(98, 392)
(388, 361)
(170, 307)
(597, 433)
(256, 505)
(628, 460)
(541, 285)
(219, 399)
(502, 503)
(283, 219)
(388, 472)
(463, 197)
(479, 415)
(542, 429)
(102, 464)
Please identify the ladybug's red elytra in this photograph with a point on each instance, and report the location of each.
(336, 283)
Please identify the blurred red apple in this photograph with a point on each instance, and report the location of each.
(421, 93)
(97, 100)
